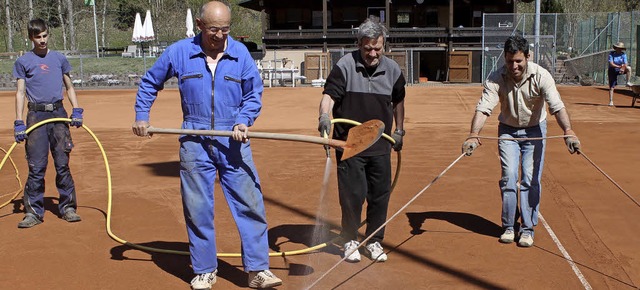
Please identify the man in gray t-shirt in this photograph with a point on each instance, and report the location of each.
(40, 75)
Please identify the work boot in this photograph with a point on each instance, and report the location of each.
(71, 216)
(29, 220)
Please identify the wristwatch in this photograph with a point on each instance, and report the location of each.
(399, 132)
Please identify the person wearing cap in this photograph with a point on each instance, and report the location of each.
(618, 64)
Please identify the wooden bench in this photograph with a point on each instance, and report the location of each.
(111, 51)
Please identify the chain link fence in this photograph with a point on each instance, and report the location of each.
(573, 47)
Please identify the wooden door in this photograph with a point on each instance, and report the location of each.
(460, 66)
(400, 57)
(312, 66)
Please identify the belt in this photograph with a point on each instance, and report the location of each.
(45, 107)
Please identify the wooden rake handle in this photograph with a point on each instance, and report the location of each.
(258, 135)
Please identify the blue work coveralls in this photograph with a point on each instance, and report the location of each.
(235, 99)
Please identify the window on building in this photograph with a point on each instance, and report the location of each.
(404, 17)
(294, 15)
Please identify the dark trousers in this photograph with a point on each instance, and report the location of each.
(56, 137)
(359, 179)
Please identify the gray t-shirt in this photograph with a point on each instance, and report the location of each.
(42, 75)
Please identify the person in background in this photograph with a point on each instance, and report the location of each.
(618, 64)
(524, 90)
(40, 75)
(362, 86)
(221, 89)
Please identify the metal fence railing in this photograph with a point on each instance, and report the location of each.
(578, 40)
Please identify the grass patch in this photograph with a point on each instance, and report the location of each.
(87, 66)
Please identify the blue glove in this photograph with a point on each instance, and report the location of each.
(19, 131)
(76, 117)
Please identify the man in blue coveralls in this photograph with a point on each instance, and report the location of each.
(40, 74)
(221, 89)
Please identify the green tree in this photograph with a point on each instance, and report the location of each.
(551, 6)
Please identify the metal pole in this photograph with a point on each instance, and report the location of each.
(81, 72)
(325, 23)
(555, 42)
(484, 18)
(95, 28)
(536, 32)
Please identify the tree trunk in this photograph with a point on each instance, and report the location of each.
(71, 23)
(104, 20)
(30, 10)
(9, 26)
(62, 25)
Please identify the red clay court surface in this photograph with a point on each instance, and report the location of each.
(446, 239)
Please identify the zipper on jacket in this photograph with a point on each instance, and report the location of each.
(193, 76)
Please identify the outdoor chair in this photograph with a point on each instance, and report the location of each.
(131, 51)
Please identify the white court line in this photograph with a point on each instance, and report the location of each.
(575, 268)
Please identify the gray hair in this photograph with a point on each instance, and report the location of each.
(371, 28)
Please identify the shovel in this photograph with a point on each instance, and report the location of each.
(359, 139)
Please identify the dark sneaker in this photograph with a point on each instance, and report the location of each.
(71, 216)
(29, 220)
(263, 279)
(204, 281)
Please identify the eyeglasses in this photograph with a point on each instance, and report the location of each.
(215, 29)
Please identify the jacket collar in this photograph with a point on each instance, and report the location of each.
(532, 70)
(196, 49)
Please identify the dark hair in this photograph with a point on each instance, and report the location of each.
(516, 43)
(36, 26)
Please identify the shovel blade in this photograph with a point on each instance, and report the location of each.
(362, 137)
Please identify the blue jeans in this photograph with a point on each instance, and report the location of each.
(528, 158)
(54, 137)
(200, 159)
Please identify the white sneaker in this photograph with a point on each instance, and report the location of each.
(263, 279)
(508, 236)
(352, 247)
(375, 252)
(610, 104)
(204, 281)
(526, 240)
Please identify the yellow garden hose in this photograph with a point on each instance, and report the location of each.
(15, 168)
(109, 196)
(399, 163)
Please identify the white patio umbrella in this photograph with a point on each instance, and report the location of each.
(147, 35)
(147, 28)
(137, 29)
(189, 24)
